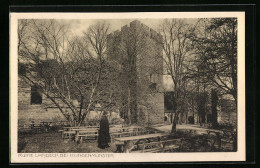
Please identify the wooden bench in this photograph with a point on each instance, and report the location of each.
(69, 128)
(159, 146)
(68, 134)
(36, 127)
(60, 131)
(112, 130)
(65, 129)
(173, 144)
(126, 143)
(97, 127)
(87, 134)
(84, 129)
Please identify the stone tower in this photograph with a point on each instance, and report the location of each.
(137, 51)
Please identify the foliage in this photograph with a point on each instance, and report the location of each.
(116, 121)
(215, 50)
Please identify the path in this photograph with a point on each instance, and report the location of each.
(167, 128)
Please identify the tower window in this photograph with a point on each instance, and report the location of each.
(152, 86)
(151, 78)
(36, 95)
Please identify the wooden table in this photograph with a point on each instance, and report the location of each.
(84, 129)
(128, 134)
(128, 140)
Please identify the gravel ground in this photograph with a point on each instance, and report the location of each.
(53, 143)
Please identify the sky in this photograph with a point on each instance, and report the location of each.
(78, 26)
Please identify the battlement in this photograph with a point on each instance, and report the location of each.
(116, 33)
(135, 24)
(125, 28)
(147, 31)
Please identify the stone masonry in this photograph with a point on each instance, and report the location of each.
(147, 47)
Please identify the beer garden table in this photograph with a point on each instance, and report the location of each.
(138, 138)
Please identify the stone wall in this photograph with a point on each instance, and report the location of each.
(151, 111)
(156, 112)
(46, 111)
(36, 112)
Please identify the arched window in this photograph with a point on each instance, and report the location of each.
(153, 84)
(152, 78)
(36, 95)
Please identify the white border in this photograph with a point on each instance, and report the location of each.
(115, 157)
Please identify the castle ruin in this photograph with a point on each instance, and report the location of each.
(137, 49)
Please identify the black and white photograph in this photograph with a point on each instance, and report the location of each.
(127, 87)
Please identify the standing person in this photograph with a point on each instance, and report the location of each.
(103, 135)
(32, 124)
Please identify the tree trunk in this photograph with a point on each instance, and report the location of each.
(186, 117)
(174, 123)
(129, 106)
(214, 102)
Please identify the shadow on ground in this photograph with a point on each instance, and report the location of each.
(53, 143)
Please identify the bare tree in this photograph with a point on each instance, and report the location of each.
(67, 69)
(215, 48)
(176, 45)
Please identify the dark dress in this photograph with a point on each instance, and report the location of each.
(103, 136)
